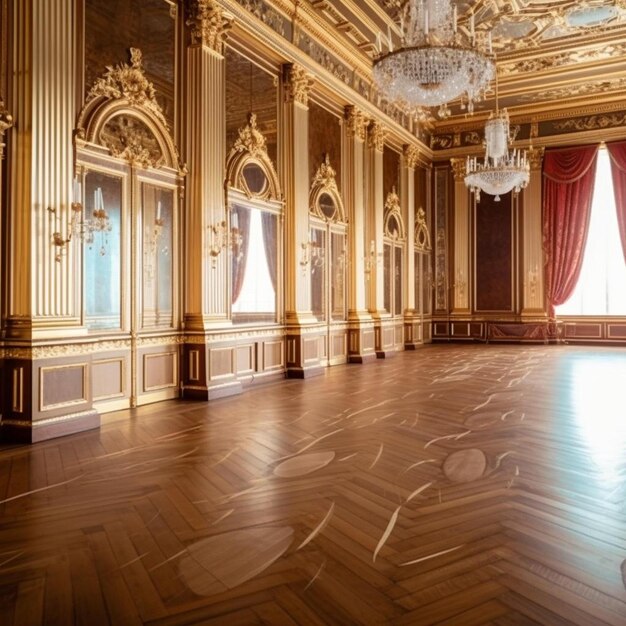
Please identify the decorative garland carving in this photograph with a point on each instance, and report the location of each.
(325, 182)
(6, 121)
(377, 134)
(422, 234)
(251, 148)
(356, 122)
(122, 114)
(393, 210)
(298, 83)
(209, 24)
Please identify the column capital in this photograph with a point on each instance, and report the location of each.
(356, 123)
(209, 24)
(377, 134)
(6, 121)
(535, 157)
(411, 156)
(298, 83)
(459, 169)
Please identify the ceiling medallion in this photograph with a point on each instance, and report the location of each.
(502, 170)
(436, 62)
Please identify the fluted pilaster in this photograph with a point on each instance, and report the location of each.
(462, 235)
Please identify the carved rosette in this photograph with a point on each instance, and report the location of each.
(209, 24)
(459, 169)
(411, 156)
(535, 157)
(6, 121)
(377, 134)
(356, 123)
(298, 83)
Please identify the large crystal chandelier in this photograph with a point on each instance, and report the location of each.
(436, 62)
(502, 170)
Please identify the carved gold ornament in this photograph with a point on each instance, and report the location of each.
(459, 169)
(393, 216)
(411, 156)
(422, 234)
(209, 24)
(250, 150)
(377, 134)
(298, 84)
(356, 123)
(123, 114)
(592, 122)
(6, 121)
(325, 200)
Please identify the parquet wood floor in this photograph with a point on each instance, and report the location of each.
(453, 485)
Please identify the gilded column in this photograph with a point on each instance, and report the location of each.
(42, 293)
(47, 377)
(361, 329)
(462, 236)
(532, 271)
(208, 370)
(412, 324)
(375, 222)
(206, 292)
(304, 347)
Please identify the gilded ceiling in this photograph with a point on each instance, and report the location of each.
(550, 55)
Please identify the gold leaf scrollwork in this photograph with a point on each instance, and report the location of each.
(592, 122)
(209, 24)
(129, 138)
(393, 215)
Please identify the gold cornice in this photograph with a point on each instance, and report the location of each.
(209, 24)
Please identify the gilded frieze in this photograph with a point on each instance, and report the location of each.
(591, 122)
(266, 14)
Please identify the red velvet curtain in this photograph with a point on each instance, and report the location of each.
(617, 150)
(568, 180)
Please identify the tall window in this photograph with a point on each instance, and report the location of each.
(601, 288)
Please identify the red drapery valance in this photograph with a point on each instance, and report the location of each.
(569, 176)
(617, 151)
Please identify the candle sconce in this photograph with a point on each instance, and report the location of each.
(151, 243)
(371, 259)
(221, 237)
(80, 227)
(312, 254)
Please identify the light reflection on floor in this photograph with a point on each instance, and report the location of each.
(598, 400)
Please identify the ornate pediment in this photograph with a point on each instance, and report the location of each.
(393, 222)
(325, 199)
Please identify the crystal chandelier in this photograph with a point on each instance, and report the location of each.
(436, 62)
(503, 170)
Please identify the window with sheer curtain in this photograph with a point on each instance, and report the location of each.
(601, 288)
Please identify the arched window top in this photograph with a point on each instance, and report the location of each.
(249, 167)
(325, 200)
(394, 224)
(422, 235)
(123, 115)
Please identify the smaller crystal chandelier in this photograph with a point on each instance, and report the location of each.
(503, 170)
(436, 63)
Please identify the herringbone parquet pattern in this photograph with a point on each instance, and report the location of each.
(451, 485)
